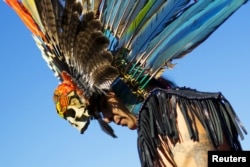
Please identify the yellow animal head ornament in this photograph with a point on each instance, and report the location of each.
(71, 104)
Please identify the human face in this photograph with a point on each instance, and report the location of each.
(114, 111)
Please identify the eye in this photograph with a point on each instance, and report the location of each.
(69, 113)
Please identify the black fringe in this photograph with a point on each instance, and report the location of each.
(158, 117)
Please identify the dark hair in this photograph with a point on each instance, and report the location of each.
(163, 83)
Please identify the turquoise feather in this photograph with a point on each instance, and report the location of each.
(156, 24)
(192, 32)
(153, 33)
(124, 6)
(107, 11)
(134, 22)
(191, 11)
(115, 11)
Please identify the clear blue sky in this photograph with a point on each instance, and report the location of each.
(32, 135)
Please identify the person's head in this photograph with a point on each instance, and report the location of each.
(115, 111)
(75, 108)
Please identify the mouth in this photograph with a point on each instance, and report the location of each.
(121, 121)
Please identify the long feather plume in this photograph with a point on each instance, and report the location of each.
(71, 33)
(194, 31)
(164, 15)
(135, 24)
(25, 16)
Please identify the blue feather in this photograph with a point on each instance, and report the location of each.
(115, 12)
(124, 14)
(124, 9)
(133, 14)
(113, 41)
(186, 15)
(101, 9)
(156, 5)
(155, 25)
(128, 16)
(116, 17)
(107, 9)
(192, 32)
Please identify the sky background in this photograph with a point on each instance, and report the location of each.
(32, 135)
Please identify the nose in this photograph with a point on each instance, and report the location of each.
(117, 119)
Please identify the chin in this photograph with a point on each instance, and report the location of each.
(132, 127)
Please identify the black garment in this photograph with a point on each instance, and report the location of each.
(158, 117)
